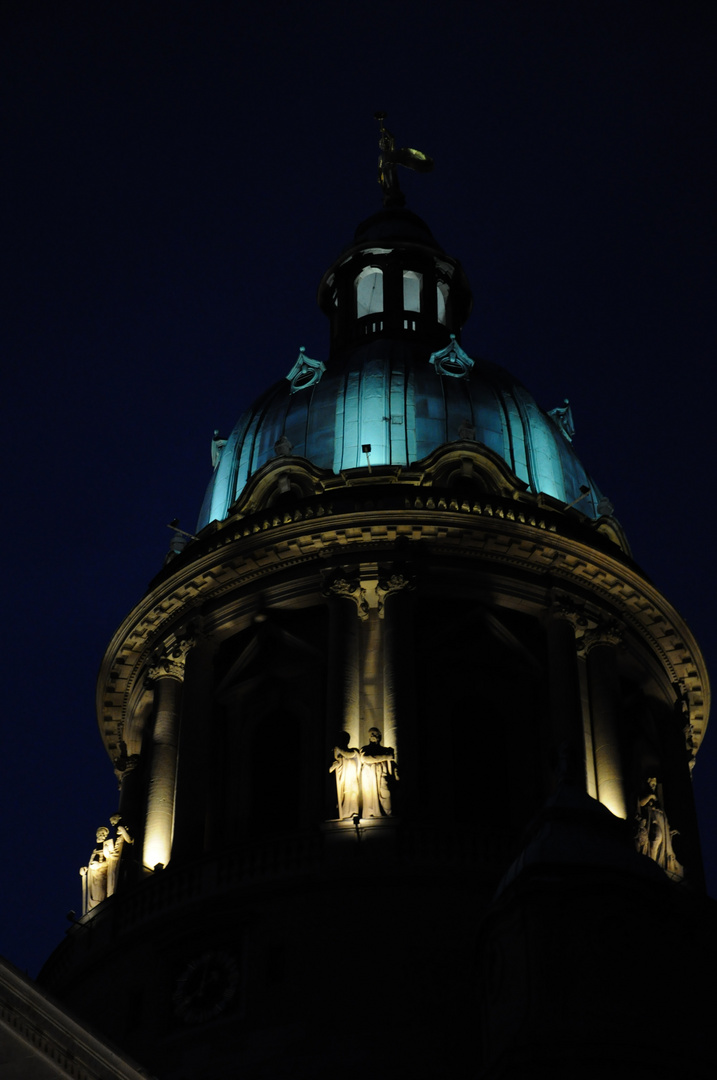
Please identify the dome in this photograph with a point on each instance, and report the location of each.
(398, 381)
(400, 401)
(395, 225)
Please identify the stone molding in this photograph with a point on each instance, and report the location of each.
(498, 537)
(39, 1038)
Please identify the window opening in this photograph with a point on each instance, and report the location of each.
(412, 288)
(369, 291)
(441, 300)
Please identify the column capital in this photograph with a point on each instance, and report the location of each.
(565, 607)
(393, 582)
(124, 764)
(349, 588)
(169, 663)
(591, 628)
(604, 632)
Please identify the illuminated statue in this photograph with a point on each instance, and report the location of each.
(94, 875)
(346, 767)
(377, 772)
(113, 852)
(100, 876)
(654, 835)
(389, 158)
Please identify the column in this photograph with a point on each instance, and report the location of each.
(566, 708)
(194, 768)
(395, 609)
(168, 676)
(363, 687)
(388, 586)
(347, 599)
(600, 648)
(129, 776)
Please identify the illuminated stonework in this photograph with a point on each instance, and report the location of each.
(463, 611)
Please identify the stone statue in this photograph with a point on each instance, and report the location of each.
(563, 417)
(94, 875)
(377, 773)
(114, 852)
(346, 767)
(653, 835)
(100, 876)
(282, 447)
(218, 444)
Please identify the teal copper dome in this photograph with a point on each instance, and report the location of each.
(397, 380)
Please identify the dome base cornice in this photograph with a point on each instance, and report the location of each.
(518, 548)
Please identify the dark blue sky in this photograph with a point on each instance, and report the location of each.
(179, 175)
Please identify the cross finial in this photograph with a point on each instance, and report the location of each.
(390, 157)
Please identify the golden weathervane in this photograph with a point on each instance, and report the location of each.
(390, 157)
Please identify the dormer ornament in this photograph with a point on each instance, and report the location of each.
(452, 361)
(563, 417)
(305, 372)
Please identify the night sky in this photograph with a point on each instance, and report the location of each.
(178, 176)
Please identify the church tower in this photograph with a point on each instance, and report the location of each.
(403, 734)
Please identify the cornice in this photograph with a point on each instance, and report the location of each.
(497, 535)
(44, 1040)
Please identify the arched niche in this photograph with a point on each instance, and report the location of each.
(283, 478)
(483, 714)
(471, 465)
(610, 528)
(268, 714)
